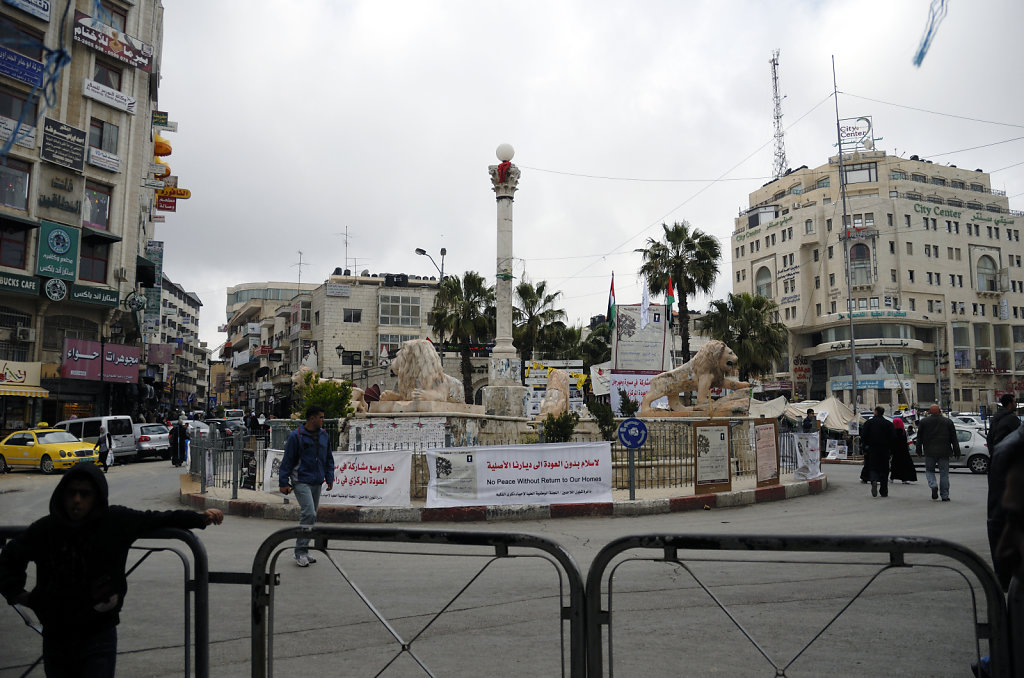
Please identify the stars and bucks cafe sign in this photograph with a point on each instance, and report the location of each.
(57, 254)
(94, 361)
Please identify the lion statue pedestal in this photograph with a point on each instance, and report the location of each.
(422, 384)
(708, 369)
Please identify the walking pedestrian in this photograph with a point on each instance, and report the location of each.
(178, 439)
(105, 449)
(307, 464)
(902, 465)
(936, 440)
(877, 436)
(80, 550)
(1004, 421)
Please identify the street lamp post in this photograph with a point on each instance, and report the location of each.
(440, 269)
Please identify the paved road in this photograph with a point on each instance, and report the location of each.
(911, 621)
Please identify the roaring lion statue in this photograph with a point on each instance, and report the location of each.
(706, 370)
(420, 376)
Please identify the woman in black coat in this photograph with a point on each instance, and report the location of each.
(902, 465)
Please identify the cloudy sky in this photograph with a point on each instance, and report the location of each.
(382, 116)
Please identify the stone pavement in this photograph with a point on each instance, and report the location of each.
(272, 505)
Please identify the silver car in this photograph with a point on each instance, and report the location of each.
(151, 441)
(974, 453)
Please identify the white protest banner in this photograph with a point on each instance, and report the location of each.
(808, 456)
(553, 473)
(360, 479)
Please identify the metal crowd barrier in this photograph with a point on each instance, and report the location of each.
(330, 540)
(194, 584)
(684, 550)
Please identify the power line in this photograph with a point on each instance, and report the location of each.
(925, 110)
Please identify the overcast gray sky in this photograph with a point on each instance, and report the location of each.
(297, 120)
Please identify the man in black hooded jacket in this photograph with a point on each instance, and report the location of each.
(80, 551)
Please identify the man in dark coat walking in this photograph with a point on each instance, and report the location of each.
(936, 440)
(1004, 422)
(877, 437)
(178, 439)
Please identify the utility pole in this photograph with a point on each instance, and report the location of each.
(779, 163)
(846, 246)
(299, 266)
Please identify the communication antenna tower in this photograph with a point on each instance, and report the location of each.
(779, 164)
(299, 266)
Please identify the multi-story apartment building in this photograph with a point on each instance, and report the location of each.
(185, 379)
(936, 284)
(75, 215)
(342, 328)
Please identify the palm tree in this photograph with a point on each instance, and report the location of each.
(558, 341)
(691, 257)
(533, 310)
(597, 347)
(749, 325)
(460, 313)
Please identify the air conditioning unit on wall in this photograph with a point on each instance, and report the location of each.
(26, 334)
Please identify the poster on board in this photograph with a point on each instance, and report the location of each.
(360, 479)
(711, 457)
(766, 452)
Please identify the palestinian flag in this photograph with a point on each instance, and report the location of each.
(670, 299)
(611, 304)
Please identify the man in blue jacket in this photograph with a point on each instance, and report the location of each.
(307, 464)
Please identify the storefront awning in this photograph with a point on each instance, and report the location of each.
(89, 233)
(25, 391)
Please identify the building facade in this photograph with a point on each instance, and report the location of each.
(926, 268)
(184, 380)
(75, 215)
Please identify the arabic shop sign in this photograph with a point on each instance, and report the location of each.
(63, 145)
(57, 256)
(26, 133)
(94, 295)
(21, 284)
(109, 40)
(37, 8)
(109, 96)
(84, 359)
(20, 374)
(20, 67)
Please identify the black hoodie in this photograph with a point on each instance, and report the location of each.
(79, 565)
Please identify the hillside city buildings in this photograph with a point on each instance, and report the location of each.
(936, 290)
(81, 284)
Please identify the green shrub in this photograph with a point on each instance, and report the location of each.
(332, 396)
(627, 406)
(560, 429)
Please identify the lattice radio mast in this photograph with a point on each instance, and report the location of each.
(779, 164)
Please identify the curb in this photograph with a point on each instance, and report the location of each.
(412, 514)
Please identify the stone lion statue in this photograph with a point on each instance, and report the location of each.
(556, 397)
(420, 376)
(706, 370)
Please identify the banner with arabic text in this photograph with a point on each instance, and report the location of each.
(360, 479)
(83, 359)
(553, 473)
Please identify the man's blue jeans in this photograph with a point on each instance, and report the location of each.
(308, 497)
(929, 474)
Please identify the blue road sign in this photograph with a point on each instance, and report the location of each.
(632, 433)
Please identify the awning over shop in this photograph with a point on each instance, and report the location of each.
(89, 233)
(25, 391)
(145, 271)
(11, 221)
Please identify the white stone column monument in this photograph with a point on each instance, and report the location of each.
(504, 394)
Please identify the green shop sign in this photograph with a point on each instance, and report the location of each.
(58, 251)
(94, 295)
(21, 284)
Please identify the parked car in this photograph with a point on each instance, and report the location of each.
(973, 448)
(968, 419)
(227, 427)
(151, 441)
(48, 449)
(119, 426)
(198, 429)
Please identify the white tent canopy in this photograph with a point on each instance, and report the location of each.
(839, 414)
(769, 409)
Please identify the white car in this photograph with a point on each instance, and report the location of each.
(151, 441)
(967, 419)
(974, 453)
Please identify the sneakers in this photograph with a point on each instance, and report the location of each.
(945, 499)
(935, 493)
(310, 558)
(302, 561)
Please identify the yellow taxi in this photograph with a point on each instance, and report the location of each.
(47, 449)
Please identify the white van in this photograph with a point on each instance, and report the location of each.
(119, 426)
